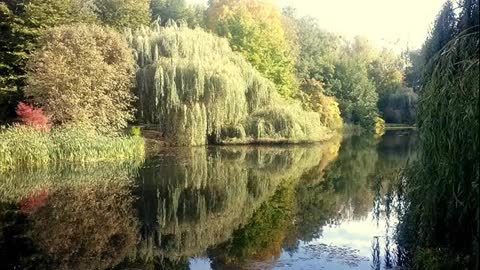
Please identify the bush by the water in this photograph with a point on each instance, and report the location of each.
(33, 117)
(23, 146)
(313, 98)
(83, 75)
(198, 90)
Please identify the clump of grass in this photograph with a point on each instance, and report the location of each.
(22, 146)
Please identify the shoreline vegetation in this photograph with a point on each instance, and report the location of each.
(24, 147)
(198, 91)
(76, 74)
(252, 75)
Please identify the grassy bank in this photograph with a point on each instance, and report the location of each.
(22, 147)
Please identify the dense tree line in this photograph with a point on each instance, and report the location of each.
(23, 22)
(304, 62)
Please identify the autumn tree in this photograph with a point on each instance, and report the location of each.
(82, 74)
(254, 28)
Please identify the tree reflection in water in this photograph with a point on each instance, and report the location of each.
(71, 218)
(240, 207)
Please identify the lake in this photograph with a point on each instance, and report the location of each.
(318, 206)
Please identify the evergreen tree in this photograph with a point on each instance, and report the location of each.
(123, 13)
(444, 30)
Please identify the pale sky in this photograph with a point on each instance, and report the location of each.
(391, 23)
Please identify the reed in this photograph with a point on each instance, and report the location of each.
(22, 146)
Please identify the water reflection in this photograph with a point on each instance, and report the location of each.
(327, 206)
(195, 198)
(67, 218)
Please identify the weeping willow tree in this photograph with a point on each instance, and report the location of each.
(443, 187)
(197, 90)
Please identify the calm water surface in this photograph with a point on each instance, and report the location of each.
(325, 206)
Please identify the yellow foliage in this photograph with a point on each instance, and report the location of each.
(83, 74)
(255, 29)
(313, 98)
(379, 126)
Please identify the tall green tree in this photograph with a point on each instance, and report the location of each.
(254, 28)
(444, 29)
(414, 69)
(318, 49)
(355, 93)
(123, 13)
(352, 86)
(386, 72)
(179, 11)
(442, 218)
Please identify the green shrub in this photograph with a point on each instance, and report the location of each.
(22, 146)
(136, 132)
(83, 75)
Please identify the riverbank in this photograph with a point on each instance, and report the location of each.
(389, 126)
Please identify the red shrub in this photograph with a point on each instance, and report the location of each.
(33, 116)
(35, 201)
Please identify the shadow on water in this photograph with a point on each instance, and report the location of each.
(239, 207)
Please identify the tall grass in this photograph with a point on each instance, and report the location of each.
(23, 146)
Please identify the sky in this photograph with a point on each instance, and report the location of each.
(396, 24)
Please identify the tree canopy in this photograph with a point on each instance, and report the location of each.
(83, 74)
(255, 29)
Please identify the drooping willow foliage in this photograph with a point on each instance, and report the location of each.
(197, 90)
(197, 198)
(444, 185)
